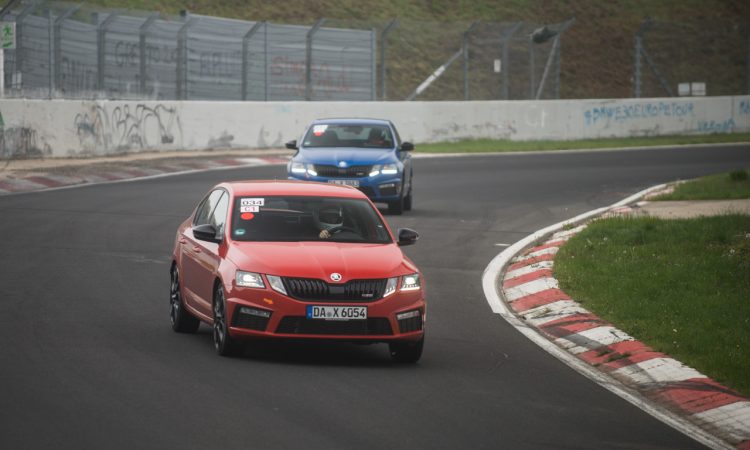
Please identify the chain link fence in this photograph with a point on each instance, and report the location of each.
(668, 54)
(75, 51)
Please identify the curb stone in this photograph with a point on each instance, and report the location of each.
(49, 181)
(528, 296)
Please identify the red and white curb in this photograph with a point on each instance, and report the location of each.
(519, 286)
(51, 181)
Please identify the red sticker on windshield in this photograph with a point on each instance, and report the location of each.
(247, 216)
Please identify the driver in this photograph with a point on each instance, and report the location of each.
(329, 220)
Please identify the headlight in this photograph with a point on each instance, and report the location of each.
(385, 169)
(390, 169)
(276, 284)
(298, 167)
(390, 286)
(249, 279)
(410, 282)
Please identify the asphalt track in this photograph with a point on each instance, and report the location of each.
(88, 359)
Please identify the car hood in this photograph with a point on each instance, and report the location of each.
(351, 156)
(321, 259)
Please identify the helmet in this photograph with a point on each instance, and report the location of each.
(330, 215)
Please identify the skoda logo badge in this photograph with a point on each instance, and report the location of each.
(342, 164)
(335, 276)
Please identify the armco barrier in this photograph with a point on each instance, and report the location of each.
(61, 128)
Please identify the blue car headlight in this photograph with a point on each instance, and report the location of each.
(299, 168)
(385, 169)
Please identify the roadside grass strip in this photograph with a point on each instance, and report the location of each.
(722, 186)
(500, 146)
(681, 285)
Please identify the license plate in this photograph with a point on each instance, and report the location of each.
(337, 312)
(353, 183)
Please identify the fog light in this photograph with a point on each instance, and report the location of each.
(254, 312)
(388, 186)
(408, 315)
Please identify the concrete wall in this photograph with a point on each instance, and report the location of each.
(61, 128)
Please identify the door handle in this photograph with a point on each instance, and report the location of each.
(197, 249)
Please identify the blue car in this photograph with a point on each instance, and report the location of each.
(365, 153)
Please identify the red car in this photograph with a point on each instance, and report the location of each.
(292, 259)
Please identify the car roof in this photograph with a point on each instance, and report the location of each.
(353, 121)
(291, 188)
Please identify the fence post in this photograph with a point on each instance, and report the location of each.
(142, 33)
(552, 55)
(57, 43)
(748, 62)
(373, 64)
(182, 59)
(465, 47)
(505, 61)
(101, 42)
(19, 38)
(532, 68)
(265, 62)
(245, 60)
(308, 58)
(383, 46)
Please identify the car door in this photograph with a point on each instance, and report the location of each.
(200, 258)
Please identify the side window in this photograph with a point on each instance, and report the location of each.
(219, 216)
(207, 205)
(398, 138)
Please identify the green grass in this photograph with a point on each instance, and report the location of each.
(499, 146)
(723, 186)
(680, 286)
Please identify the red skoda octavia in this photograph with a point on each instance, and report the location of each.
(291, 259)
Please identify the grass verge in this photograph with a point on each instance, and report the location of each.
(680, 286)
(722, 186)
(500, 146)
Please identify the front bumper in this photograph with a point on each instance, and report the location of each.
(275, 316)
(377, 189)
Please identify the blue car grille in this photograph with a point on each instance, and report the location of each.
(342, 172)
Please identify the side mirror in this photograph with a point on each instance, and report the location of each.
(292, 145)
(206, 232)
(407, 236)
(407, 146)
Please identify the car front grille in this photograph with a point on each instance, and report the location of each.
(368, 191)
(307, 289)
(342, 172)
(374, 326)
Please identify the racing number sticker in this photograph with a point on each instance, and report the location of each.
(318, 130)
(249, 209)
(252, 201)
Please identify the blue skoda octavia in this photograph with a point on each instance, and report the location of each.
(365, 153)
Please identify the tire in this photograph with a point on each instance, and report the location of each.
(407, 202)
(182, 320)
(224, 344)
(406, 352)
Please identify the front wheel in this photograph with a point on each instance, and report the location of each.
(182, 320)
(406, 352)
(396, 208)
(223, 342)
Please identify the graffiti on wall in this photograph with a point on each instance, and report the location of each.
(125, 128)
(21, 142)
(745, 107)
(649, 110)
(714, 126)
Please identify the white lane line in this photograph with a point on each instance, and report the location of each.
(532, 287)
(657, 370)
(531, 268)
(733, 419)
(546, 251)
(592, 339)
(500, 244)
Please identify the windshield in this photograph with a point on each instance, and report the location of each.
(294, 219)
(345, 135)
